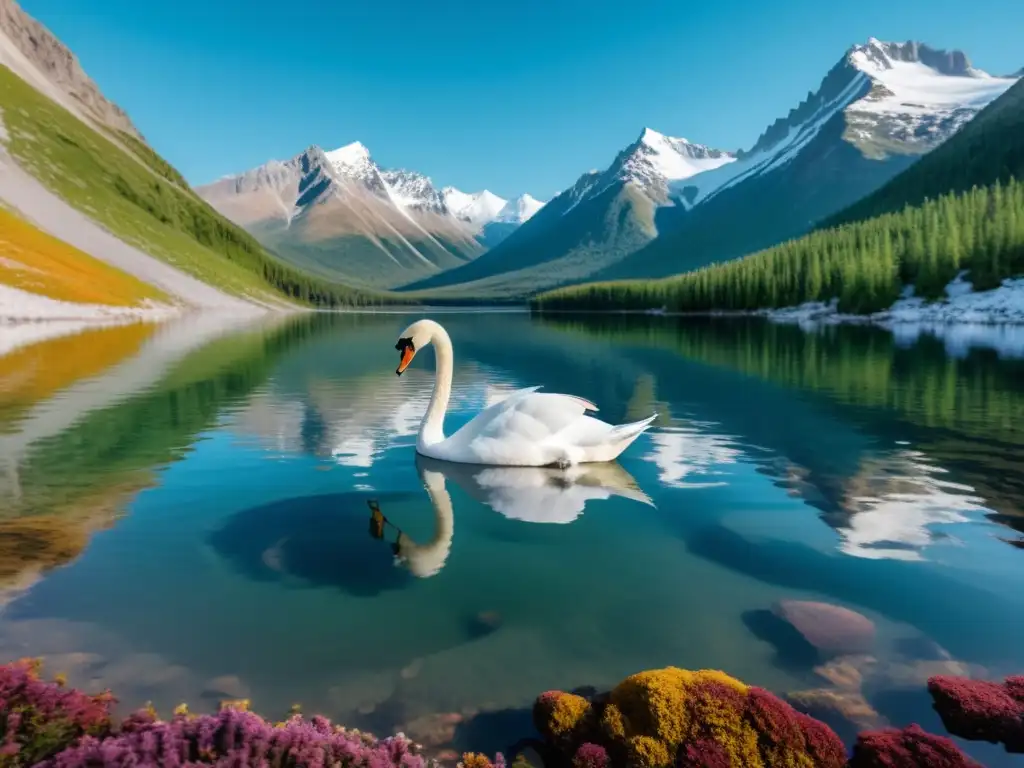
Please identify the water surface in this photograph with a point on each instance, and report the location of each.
(186, 518)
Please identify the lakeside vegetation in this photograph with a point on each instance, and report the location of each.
(142, 202)
(653, 719)
(863, 264)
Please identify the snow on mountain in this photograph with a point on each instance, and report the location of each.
(476, 209)
(918, 95)
(895, 98)
(519, 210)
(411, 190)
(664, 157)
(654, 161)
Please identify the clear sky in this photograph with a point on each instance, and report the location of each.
(512, 97)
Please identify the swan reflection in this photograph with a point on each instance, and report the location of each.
(530, 494)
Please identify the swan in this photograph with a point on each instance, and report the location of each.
(527, 429)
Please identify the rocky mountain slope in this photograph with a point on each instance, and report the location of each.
(35, 54)
(600, 219)
(340, 215)
(89, 189)
(879, 109)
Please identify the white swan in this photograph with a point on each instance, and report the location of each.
(527, 429)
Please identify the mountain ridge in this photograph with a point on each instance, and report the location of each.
(33, 52)
(341, 215)
(879, 108)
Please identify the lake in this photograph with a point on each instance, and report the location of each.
(185, 515)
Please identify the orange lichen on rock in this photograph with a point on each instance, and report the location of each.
(672, 716)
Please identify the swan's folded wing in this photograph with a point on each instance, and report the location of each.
(522, 420)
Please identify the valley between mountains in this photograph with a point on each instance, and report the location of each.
(86, 201)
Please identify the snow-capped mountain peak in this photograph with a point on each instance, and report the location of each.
(918, 96)
(893, 99)
(350, 155)
(482, 208)
(653, 162)
(477, 208)
(672, 158)
(412, 190)
(519, 210)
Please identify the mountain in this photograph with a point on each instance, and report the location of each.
(32, 52)
(956, 210)
(666, 206)
(989, 149)
(491, 217)
(602, 218)
(878, 110)
(340, 215)
(95, 199)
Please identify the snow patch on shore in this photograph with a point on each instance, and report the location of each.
(964, 320)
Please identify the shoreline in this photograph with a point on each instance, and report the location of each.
(1002, 306)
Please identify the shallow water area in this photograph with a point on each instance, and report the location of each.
(187, 516)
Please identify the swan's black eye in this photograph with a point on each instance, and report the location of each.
(403, 343)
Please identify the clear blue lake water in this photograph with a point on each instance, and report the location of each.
(218, 481)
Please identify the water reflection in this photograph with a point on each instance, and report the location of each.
(836, 466)
(537, 494)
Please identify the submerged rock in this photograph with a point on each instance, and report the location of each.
(829, 628)
(829, 704)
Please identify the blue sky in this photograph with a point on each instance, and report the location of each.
(514, 97)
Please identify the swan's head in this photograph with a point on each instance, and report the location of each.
(412, 340)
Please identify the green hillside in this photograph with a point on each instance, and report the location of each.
(916, 236)
(989, 149)
(145, 202)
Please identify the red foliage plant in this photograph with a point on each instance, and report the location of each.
(981, 710)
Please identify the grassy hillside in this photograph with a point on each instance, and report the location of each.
(989, 149)
(145, 204)
(864, 264)
(32, 260)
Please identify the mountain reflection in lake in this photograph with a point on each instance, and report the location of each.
(185, 515)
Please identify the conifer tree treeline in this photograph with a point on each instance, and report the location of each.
(863, 264)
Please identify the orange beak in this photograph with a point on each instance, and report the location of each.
(407, 355)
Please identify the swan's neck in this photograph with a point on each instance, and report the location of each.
(432, 427)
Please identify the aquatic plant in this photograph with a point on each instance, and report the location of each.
(590, 756)
(38, 718)
(980, 709)
(704, 718)
(654, 719)
(910, 746)
(235, 737)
